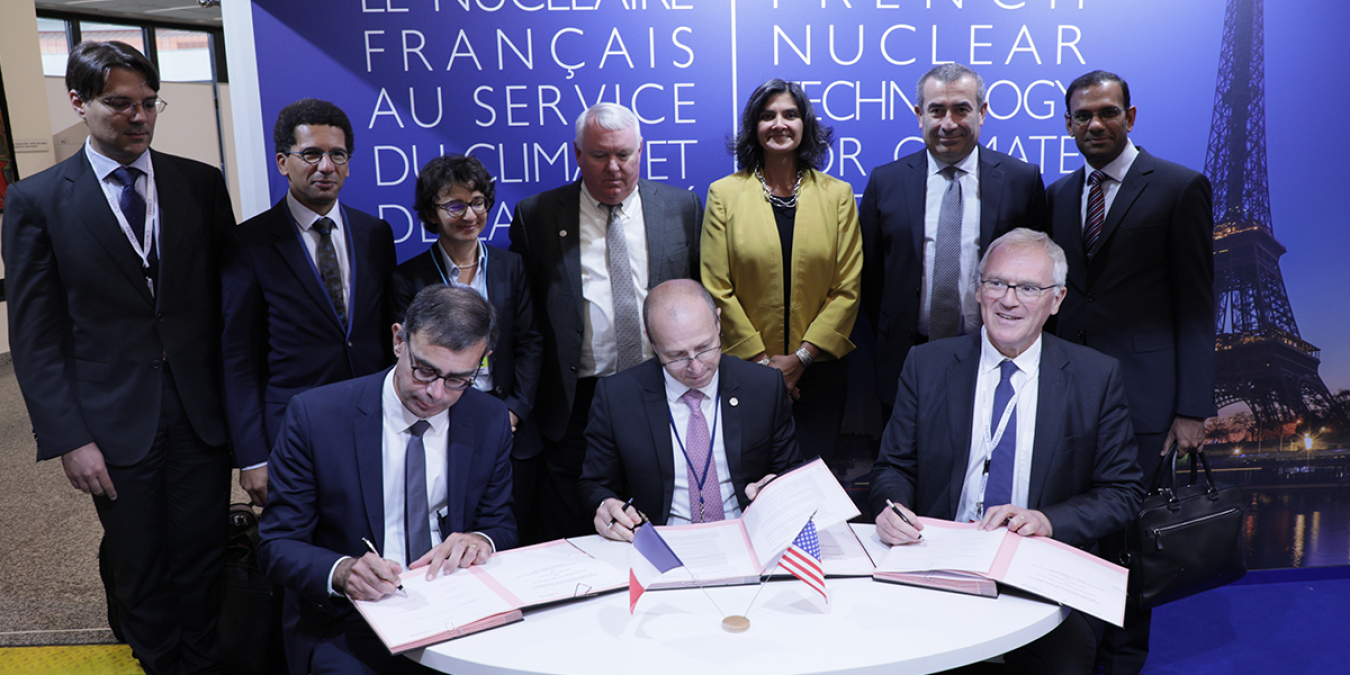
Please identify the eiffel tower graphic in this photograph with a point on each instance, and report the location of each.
(1261, 359)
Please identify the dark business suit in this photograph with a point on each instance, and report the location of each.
(327, 493)
(514, 361)
(1146, 299)
(99, 359)
(282, 335)
(628, 448)
(545, 231)
(892, 217)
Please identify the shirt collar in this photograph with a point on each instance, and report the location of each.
(398, 417)
(104, 165)
(990, 357)
(675, 389)
(450, 264)
(970, 164)
(630, 205)
(1120, 166)
(305, 217)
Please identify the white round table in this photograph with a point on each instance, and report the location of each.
(868, 627)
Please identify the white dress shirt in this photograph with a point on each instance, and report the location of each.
(680, 513)
(599, 345)
(304, 220)
(1026, 389)
(1115, 174)
(145, 186)
(478, 284)
(969, 176)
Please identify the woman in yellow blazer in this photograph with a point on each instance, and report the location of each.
(782, 256)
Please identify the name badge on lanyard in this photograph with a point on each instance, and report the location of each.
(145, 245)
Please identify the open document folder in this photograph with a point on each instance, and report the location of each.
(487, 595)
(738, 551)
(956, 556)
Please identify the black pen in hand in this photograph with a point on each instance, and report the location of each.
(900, 513)
(621, 509)
(371, 545)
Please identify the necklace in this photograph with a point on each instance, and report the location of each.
(786, 203)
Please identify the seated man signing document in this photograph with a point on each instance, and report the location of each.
(689, 436)
(1013, 427)
(412, 462)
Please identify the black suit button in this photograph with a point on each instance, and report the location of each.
(1082, 336)
(159, 318)
(574, 369)
(156, 364)
(1089, 297)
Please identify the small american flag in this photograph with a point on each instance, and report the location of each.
(802, 559)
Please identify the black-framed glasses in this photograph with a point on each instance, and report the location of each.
(123, 105)
(427, 376)
(457, 208)
(1084, 117)
(315, 155)
(997, 288)
(705, 357)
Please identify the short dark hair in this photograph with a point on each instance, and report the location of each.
(309, 111)
(1094, 78)
(89, 63)
(451, 317)
(815, 144)
(445, 172)
(947, 73)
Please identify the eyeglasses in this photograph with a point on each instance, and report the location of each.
(1084, 117)
(705, 357)
(457, 208)
(315, 155)
(995, 289)
(427, 376)
(122, 105)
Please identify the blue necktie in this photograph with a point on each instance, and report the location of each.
(416, 513)
(133, 208)
(999, 488)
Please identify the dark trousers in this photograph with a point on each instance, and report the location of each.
(352, 648)
(559, 510)
(165, 537)
(1124, 650)
(820, 410)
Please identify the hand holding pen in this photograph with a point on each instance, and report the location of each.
(891, 532)
(369, 577)
(614, 521)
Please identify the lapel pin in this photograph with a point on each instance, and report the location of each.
(562, 233)
(734, 401)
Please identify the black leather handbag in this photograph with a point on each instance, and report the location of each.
(1187, 539)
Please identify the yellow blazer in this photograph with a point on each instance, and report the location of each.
(742, 265)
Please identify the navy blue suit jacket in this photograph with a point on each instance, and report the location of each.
(282, 335)
(1147, 297)
(327, 492)
(628, 447)
(516, 356)
(1084, 474)
(1012, 195)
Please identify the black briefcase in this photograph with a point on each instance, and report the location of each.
(1187, 539)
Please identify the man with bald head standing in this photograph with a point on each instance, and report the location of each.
(594, 247)
(690, 435)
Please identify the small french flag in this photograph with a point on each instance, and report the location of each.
(650, 558)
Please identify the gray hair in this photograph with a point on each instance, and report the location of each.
(946, 74)
(1031, 239)
(611, 116)
(450, 317)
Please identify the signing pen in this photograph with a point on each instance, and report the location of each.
(371, 545)
(624, 508)
(900, 513)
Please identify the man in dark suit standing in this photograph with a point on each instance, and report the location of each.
(413, 459)
(690, 435)
(1010, 426)
(304, 288)
(593, 249)
(1140, 241)
(114, 318)
(926, 218)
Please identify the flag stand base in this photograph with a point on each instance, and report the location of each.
(735, 624)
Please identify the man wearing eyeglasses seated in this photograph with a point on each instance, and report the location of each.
(412, 462)
(1013, 427)
(304, 288)
(688, 436)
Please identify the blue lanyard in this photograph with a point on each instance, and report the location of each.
(703, 477)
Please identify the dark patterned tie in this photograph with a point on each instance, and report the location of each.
(705, 503)
(999, 488)
(627, 323)
(133, 208)
(328, 268)
(416, 513)
(1096, 214)
(944, 308)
